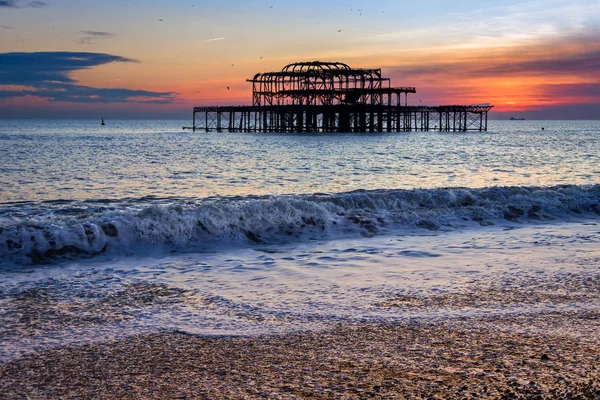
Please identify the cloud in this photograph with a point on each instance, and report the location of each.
(49, 67)
(48, 76)
(98, 33)
(572, 90)
(5, 27)
(503, 25)
(84, 94)
(90, 37)
(575, 111)
(528, 77)
(21, 4)
(579, 58)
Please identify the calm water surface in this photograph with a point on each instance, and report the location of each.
(80, 160)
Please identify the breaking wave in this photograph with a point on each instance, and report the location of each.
(46, 232)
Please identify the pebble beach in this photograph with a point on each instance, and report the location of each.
(557, 356)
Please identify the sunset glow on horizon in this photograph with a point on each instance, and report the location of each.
(145, 59)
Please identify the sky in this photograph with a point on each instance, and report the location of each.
(157, 59)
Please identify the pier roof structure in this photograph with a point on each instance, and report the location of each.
(324, 83)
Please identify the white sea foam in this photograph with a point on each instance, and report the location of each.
(50, 232)
(479, 272)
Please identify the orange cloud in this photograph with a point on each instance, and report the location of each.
(513, 78)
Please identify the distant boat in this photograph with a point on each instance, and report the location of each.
(102, 123)
(516, 119)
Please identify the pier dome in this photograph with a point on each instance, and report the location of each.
(308, 66)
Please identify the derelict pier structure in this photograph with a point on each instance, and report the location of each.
(332, 97)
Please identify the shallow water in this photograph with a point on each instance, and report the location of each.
(312, 285)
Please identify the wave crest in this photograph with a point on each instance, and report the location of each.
(64, 231)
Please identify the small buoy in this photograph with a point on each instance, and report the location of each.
(542, 128)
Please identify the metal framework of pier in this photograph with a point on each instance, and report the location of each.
(332, 97)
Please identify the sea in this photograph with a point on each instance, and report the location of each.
(140, 227)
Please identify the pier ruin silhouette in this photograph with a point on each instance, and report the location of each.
(321, 96)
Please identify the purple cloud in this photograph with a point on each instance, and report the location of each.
(48, 74)
(579, 64)
(21, 4)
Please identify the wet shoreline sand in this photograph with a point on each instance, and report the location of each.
(543, 356)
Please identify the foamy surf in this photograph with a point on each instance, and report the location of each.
(435, 276)
(43, 233)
